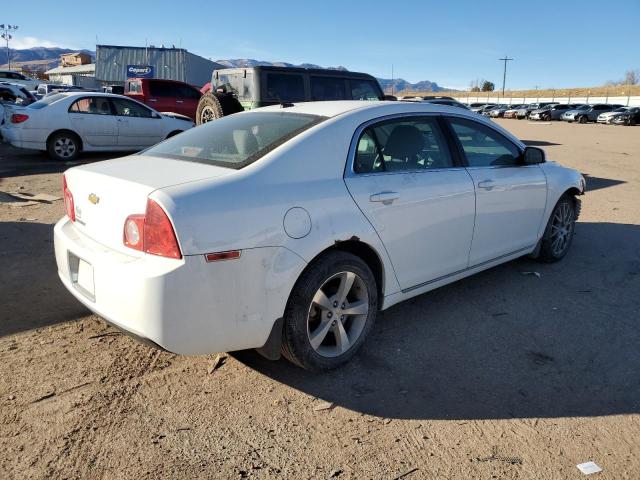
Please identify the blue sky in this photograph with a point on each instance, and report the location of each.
(555, 43)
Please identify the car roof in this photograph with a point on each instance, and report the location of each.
(319, 71)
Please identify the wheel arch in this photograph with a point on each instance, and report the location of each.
(65, 130)
(173, 133)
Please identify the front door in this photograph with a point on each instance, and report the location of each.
(93, 119)
(510, 196)
(138, 127)
(421, 204)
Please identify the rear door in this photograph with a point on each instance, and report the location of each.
(419, 200)
(138, 127)
(187, 101)
(93, 119)
(510, 196)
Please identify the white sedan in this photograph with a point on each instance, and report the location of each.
(64, 124)
(287, 228)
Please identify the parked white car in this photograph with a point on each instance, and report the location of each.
(17, 77)
(64, 124)
(288, 228)
(608, 117)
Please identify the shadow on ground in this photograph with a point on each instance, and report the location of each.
(31, 294)
(502, 344)
(597, 183)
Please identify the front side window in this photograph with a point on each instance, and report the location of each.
(403, 144)
(364, 90)
(188, 92)
(162, 89)
(483, 146)
(91, 105)
(327, 88)
(128, 108)
(283, 87)
(235, 141)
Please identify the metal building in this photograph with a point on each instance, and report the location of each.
(114, 64)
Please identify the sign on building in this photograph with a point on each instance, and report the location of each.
(139, 71)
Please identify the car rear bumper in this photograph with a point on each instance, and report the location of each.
(16, 137)
(186, 306)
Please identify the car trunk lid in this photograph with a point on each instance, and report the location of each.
(106, 193)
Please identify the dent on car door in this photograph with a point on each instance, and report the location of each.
(93, 119)
(510, 196)
(137, 126)
(404, 179)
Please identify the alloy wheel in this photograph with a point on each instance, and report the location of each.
(64, 147)
(338, 314)
(207, 115)
(561, 228)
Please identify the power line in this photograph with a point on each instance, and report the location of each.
(504, 75)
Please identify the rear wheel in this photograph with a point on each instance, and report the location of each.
(64, 146)
(559, 232)
(331, 311)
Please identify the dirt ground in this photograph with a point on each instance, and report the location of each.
(501, 375)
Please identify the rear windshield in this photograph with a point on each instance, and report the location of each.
(46, 101)
(237, 140)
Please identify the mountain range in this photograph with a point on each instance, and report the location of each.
(44, 58)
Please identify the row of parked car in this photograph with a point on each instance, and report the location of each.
(615, 114)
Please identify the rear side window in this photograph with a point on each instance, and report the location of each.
(240, 84)
(483, 146)
(282, 87)
(134, 87)
(327, 88)
(364, 90)
(237, 140)
(188, 92)
(403, 144)
(92, 105)
(6, 95)
(163, 89)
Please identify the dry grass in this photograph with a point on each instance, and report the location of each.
(615, 91)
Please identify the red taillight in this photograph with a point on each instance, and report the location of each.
(19, 118)
(69, 207)
(152, 232)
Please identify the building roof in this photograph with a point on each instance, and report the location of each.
(87, 68)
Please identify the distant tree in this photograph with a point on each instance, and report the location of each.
(488, 86)
(475, 89)
(631, 77)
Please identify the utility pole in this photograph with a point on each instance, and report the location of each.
(504, 75)
(7, 36)
(392, 79)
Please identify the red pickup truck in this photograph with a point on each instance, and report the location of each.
(165, 95)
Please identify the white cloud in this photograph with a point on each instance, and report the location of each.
(21, 43)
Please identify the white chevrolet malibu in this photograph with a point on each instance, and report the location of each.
(287, 228)
(65, 124)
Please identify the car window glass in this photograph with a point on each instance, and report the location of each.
(135, 87)
(483, 146)
(92, 105)
(162, 89)
(364, 90)
(187, 92)
(285, 88)
(6, 95)
(127, 108)
(240, 84)
(404, 144)
(327, 88)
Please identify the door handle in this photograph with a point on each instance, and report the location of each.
(153, 100)
(486, 184)
(179, 101)
(386, 198)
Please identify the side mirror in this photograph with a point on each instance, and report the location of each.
(391, 98)
(533, 156)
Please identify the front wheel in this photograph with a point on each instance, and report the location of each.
(330, 312)
(64, 146)
(583, 119)
(560, 229)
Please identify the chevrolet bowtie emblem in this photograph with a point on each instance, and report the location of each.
(93, 198)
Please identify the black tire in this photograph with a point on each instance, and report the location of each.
(212, 107)
(64, 146)
(547, 118)
(582, 119)
(631, 122)
(296, 342)
(548, 251)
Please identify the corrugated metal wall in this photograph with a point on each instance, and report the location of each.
(168, 63)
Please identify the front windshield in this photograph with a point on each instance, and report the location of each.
(237, 140)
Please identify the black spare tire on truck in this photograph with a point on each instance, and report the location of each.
(214, 106)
